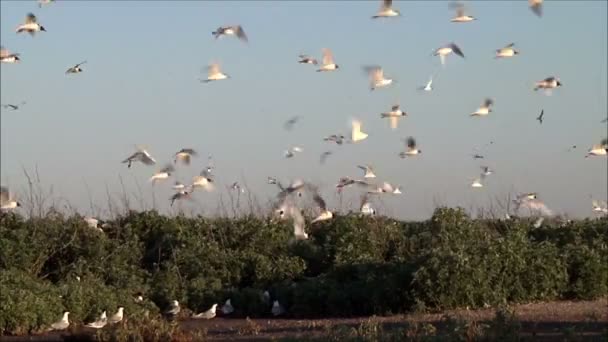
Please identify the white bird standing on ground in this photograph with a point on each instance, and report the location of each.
(484, 109)
(386, 10)
(444, 51)
(277, 308)
(227, 308)
(75, 69)
(214, 73)
(185, 155)
(428, 86)
(31, 25)
(7, 57)
(209, 314)
(142, 156)
(600, 149)
(376, 77)
(356, 133)
(163, 173)
(327, 61)
(368, 171)
(461, 16)
(100, 322)
(506, 52)
(7, 202)
(548, 84)
(536, 6)
(412, 149)
(235, 30)
(62, 324)
(118, 316)
(394, 115)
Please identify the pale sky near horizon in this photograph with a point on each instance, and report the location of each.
(140, 86)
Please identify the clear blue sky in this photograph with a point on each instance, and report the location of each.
(140, 87)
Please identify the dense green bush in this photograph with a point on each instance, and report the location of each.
(350, 265)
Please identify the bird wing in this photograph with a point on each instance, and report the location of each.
(536, 6)
(147, 159)
(167, 168)
(240, 33)
(509, 46)
(411, 142)
(30, 18)
(386, 4)
(395, 108)
(328, 57)
(456, 50)
(319, 200)
(213, 69)
(488, 102)
(393, 122)
(4, 52)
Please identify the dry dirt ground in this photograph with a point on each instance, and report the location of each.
(539, 322)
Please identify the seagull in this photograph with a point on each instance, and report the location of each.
(93, 223)
(324, 156)
(75, 69)
(235, 30)
(478, 156)
(376, 75)
(277, 309)
(485, 108)
(181, 194)
(324, 214)
(99, 323)
(7, 202)
(536, 6)
(337, 138)
(366, 208)
(288, 125)
(477, 183)
(31, 25)
(203, 180)
(397, 191)
(173, 310)
(141, 155)
(535, 205)
(163, 173)
(328, 61)
(209, 314)
(62, 324)
(506, 52)
(600, 149)
(227, 308)
(237, 187)
(44, 2)
(184, 155)
(394, 115)
(356, 133)
(118, 316)
(428, 86)
(444, 51)
(305, 59)
(295, 186)
(139, 297)
(289, 211)
(214, 74)
(548, 84)
(347, 181)
(291, 152)
(272, 180)
(386, 10)
(384, 188)
(486, 171)
(460, 16)
(7, 57)
(369, 172)
(599, 207)
(411, 150)
(13, 106)
(540, 117)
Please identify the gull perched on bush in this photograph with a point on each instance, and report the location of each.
(366, 208)
(325, 214)
(93, 223)
(599, 207)
(31, 25)
(227, 308)
(100, 322)
(386, 10)
(394, 115)
(174, 309)
(62, 324)
(7, 57)
(209, 314)
(142, 156)
(7, 201)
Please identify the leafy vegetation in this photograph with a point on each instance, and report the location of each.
(350, 265)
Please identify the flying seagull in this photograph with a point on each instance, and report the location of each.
(394, 115)
(235, 30)
(328, 61)
(204, 181)
(536, 6)
(163, 173)
(368, 171)
(324, 214)
(291, 152)
(44, 2)
(484, 109)
(7, 201)
(444, 51)
(142, 156)
(75, 69)
(356, 133)
(600, 149)
(181, 194)
(305, 59)
(548, 84)
(7, 57)
(461, 16)
(540, 117)
(428, 86)
(185, 155)
(386, 10)
(31, 25)
(506, 52)
(412, 149)
(13, 106)
(214, 74)
(288, 125)
(376, 77)
(337, 138)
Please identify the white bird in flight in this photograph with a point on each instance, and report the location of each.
(235, 30)
(185, 155)
(428, 86)
(484, 109)
(75, 69)
(548, 84)
(291, 152)
(7, 201)
(394, 115)
(507, 51)
(376, 77)
(356, 133)
(446, 50)
(411, 148)
(163, 173)
(600, 149)
(305, 59)
(386, 10)
(8, 57)
(31, 25)
(327, 61)
(536, 6)
(368, 171)
(214, 73)
(461, 16)
(325, 214)
(142, 156)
